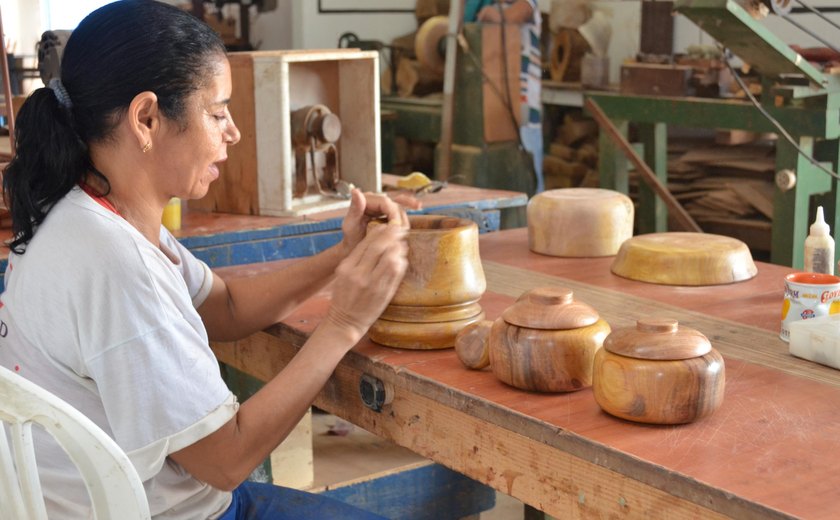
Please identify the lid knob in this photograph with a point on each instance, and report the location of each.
(653, 325)
(550, 296)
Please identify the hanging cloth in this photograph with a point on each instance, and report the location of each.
(472, 7)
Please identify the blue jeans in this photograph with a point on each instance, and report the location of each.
(258, 501)
(532, 140)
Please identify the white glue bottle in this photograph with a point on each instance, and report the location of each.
(819, 247)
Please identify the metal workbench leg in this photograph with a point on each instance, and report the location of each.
(653, 213)
(791, 209)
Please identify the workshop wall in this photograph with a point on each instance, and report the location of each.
(318, 30)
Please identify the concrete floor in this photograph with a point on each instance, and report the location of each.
(344, 452)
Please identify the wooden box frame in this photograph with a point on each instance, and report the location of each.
(258, 176)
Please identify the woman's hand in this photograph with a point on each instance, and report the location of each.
(367, 279)
(365, 207)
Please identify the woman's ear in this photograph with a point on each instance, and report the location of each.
(143, 118)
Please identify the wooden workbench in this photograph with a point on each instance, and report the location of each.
(770, 451)
(222, 239)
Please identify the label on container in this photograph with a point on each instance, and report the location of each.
(808, 295)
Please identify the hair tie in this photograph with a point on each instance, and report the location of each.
(61, 93)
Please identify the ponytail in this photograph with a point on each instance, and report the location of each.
(118, 51)
(49, 160)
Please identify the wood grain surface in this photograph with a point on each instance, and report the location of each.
(439, 293)
(658, 391)
(675, 258)
(472, 345)
(545, 360)
(579, 222)
(769, 451)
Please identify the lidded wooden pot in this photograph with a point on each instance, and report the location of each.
(579, 222)
(440, 291)
(658, 372)
(546, 341)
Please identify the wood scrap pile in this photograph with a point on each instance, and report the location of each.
(571, 159)
(727, 190)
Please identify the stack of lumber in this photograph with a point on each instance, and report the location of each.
(727, 190)
(571, 159)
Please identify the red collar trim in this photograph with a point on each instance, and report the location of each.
(102, 201)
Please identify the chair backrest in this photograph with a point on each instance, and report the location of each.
(113, 484)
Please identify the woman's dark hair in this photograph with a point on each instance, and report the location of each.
(116, 52)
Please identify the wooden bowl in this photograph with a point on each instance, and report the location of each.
(439, 293)
(444, 266)
(551, 344)
(677, 258)
(579, 222)
(658, 373)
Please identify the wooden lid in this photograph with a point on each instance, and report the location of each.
(550, 308)
(660, 339)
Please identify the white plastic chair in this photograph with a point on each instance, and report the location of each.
(113, 484)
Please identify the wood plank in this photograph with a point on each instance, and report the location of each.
(759, 195)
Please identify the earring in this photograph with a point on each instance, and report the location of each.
(147, 147)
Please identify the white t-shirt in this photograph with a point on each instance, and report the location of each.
(96, 314)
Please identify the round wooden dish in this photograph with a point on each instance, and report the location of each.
(579, 222)
(546, 342)
(684, 259)
(659, 373)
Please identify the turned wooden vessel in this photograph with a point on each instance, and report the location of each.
(658, 372)
(546, 342)
(440, 291)
(679, 258)
(579, 222)
(471, 344)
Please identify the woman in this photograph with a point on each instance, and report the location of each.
(104, 308)
(526, 14)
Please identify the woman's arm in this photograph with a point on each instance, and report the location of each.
(365, 282)
(239, 306)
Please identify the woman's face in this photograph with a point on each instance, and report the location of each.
(190, 156)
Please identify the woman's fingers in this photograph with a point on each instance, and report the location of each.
(368, 278)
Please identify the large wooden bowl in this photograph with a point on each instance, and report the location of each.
(658, 373)
(677, 258)
(579, 222)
